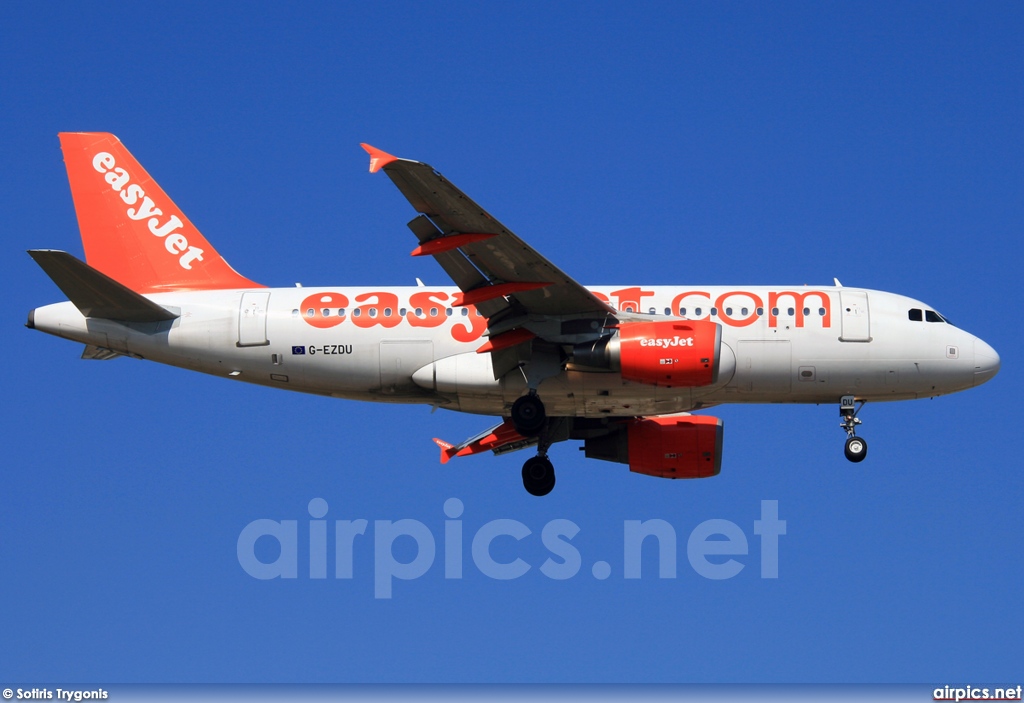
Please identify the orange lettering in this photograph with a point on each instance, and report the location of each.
(733, 322)
(477, 323)
(314, 306)
(630, 298)
(798, 302)
(682, 296)
(432, 306)
(384, 311)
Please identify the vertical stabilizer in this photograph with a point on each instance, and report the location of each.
(131, 230)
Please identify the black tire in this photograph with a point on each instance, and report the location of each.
(856, 449)
(538, 476)
(528, 415)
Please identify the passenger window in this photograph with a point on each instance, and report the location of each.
(419, 312)
(682, 312)
(821, 312)
(790, 311)
(760, 312)
(373, 312)
(310, 313)
(448, 312)
(326, 312)
(915, 315)
(433, 312)
(341, 312)
(465, 311)
(728, 311)
(696, 311)
(668, 311)
(807, 311)
(295, 312)
(387, 312)
(775, 312)
(714, 311)
(652, 311)
(401, 312)
(357, 312)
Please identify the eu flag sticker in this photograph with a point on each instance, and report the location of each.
(298, 350)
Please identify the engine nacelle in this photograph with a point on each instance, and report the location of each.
(681, 446)
(667, 353)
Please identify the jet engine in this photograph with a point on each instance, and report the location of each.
(675, 446)
(667, 353)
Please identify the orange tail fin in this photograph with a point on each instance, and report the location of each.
(130, 229)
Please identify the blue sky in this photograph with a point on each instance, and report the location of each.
(665, 143)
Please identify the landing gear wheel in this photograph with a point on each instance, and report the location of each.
(538, 476)
(528, 415)
(856, 449)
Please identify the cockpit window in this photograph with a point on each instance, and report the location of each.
(916, 315)
(932, 316)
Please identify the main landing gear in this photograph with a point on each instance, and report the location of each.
(538, 475)
(528, 415)
(531, 420)
(856, 447)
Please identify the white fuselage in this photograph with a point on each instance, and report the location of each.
(779, 345)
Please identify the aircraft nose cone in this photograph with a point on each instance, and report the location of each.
(986, 362)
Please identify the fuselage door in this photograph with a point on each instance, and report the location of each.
(856, 320)
(252, 319)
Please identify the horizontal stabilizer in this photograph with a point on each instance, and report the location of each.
(95, 294)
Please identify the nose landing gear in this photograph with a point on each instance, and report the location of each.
(856, 447)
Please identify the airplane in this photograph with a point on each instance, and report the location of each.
(620, 368)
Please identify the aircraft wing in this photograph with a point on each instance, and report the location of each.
(498, 272)
(499, 439)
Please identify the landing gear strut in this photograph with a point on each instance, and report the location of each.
(856, 447)
(531, 420)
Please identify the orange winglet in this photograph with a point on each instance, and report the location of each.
(506, 340)
(447, 450)
(452, 241)
(378, 159)
(484, 293)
